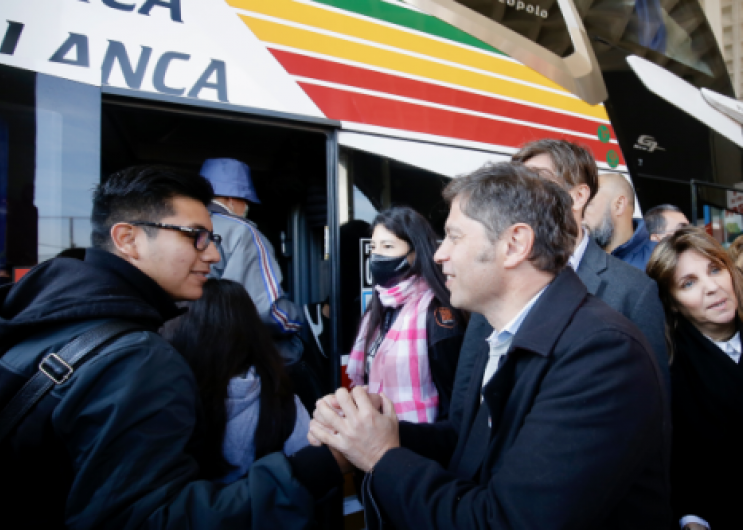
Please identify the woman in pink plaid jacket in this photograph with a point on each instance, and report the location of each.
(409, 339)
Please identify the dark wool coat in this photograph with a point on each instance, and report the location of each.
(580, 434)
(707, 458)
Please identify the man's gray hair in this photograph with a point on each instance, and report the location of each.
(501, 195)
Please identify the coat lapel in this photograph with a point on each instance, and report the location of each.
(475, 387)
(496, 392)
(471, 404)
(592, 266)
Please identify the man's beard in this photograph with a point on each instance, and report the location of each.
(604, 231)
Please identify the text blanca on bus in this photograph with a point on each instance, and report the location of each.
(75, 51)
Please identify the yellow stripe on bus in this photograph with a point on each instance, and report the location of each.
(302, 39)
(398, 38)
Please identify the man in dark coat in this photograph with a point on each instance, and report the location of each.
(565, 423)
(620, 285)
(117, 444)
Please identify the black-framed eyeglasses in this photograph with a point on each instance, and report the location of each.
(201, 236)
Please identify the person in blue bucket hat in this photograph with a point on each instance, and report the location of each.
(231, 181)
(247, 257)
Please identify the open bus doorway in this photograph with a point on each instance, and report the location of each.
(288, 169)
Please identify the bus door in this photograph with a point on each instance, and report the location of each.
(59, 138)
(287, 161)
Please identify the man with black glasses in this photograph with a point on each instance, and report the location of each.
(115, 443)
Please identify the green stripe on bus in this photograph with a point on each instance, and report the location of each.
(409, 19)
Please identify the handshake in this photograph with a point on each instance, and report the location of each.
(358, 427)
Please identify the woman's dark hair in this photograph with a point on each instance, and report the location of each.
(221, 336)
(410, 226)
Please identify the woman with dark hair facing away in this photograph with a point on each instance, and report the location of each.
(249, 406)
(409, 339)
(702, 290)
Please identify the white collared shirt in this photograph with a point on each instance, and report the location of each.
(731, 347)
(500, 342)
(580, 250)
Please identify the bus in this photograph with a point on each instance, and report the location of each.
(341, 108)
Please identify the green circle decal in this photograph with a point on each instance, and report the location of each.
(604, 134)
(612, 158)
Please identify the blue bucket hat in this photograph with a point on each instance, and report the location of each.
(230, 178)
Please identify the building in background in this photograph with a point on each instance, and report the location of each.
(726, 19)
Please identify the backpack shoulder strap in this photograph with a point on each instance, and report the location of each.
(56, 368)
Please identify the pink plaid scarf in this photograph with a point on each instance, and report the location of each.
(400, 368)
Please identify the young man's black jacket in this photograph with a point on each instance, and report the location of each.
(116, 446)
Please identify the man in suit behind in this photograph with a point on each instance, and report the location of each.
(565, 422)
(623, 287)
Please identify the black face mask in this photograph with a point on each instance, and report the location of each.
(387, 271)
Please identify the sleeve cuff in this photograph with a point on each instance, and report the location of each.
(316, 469)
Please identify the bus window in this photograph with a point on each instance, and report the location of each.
(49, 163)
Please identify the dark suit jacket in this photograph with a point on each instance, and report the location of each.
(580, 437)
(629, 291)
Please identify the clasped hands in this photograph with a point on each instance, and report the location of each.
(358, 427)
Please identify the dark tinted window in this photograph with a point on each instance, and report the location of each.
(49, 163)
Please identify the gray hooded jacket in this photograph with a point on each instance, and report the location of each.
(243, 408)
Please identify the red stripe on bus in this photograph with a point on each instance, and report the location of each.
(374, 110)
(314, 68)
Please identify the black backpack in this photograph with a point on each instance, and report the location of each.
(36, 469)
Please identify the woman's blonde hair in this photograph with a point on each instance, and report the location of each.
(664, 260)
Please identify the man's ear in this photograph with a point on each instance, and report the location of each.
(580, 195)
(124, 238)
(620, 205)
(519, 241)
